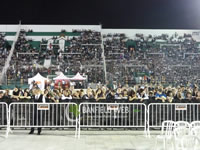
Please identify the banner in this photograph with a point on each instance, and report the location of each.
(112, 114)
(109, 108)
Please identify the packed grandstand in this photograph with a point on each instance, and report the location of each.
(133, 65)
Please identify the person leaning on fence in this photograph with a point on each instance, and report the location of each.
(118, 93)
(81, 94)
(110, 95)
(89, 94)
(170, 97)
(38, 98)
(1, 96)
(100, 95)
(195, 91)
(132, 96)
(25, 97)
(124, 94)
(151, 97)
(189, 98)
(178, 97)
(75, 95)
(66, 96)
(160, 96)
(142, 95)
(16, 94)
(197, 97)
(49, 96)
(5, 97)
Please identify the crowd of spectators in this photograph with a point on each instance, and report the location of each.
(88, 37)
(164, 59)
(138, 93)
(140, 59)
(82, 51)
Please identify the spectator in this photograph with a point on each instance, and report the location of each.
(100, 95)
(160, 96)
(132, 96)
(110, 95)
(170, 97)
(16, 94)
(142, 95)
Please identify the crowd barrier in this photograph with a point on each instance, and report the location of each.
(95, 115)
(4, 116)
(58, 115)
(112, 115)
(159, 112)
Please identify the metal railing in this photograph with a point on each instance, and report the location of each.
(95, 115)
(159, 112)
(4, 116)
(58, 115)
(112, 115)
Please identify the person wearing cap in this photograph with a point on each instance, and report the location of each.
(38, 98)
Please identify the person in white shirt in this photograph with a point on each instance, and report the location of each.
(66, 95)
(142, 95)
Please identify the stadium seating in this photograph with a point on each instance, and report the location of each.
(165, 59)
(158, 59)
(4, 49)
(80, 50)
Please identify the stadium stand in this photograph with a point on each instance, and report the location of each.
(80, 52)
(163, 58)
(4, 49)
(168, 59)
(123, 74)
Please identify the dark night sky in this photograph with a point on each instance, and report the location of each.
(162, 14)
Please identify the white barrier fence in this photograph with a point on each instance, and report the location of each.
(91, 115)
(4, 116)
(63, 115)
(159, 112)
(112, 115)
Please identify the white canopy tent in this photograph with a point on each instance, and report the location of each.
(40, 80)
(61, 77)
(78, 77)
